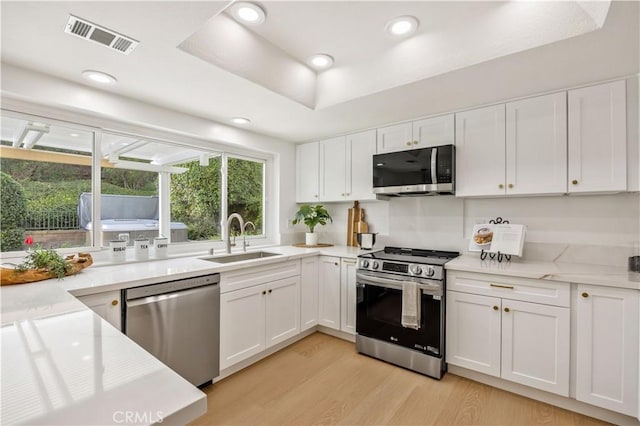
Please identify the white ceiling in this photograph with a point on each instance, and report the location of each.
(376, 80)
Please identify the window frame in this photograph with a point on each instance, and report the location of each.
(164, 178)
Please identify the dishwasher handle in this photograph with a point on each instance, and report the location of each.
(158, 298)
(170, 287)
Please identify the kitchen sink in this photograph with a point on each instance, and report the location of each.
(239, 257)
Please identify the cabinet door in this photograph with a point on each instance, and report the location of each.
(535, 345)
(242, 327)
(473, 332)
(107, 305)
(333, 169)
(309, 293)
(282, 310)
(598, 138)
(361, 148)
(348, 300)
(607, 348)
(480, 152)
(398, 137)
(307, 172)
(329, 290)
(433, 131)
(537, 145)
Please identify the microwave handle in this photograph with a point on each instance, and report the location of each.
(434, 163)
(433, 289)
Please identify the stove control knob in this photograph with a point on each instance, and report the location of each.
(415, 269)
(375, 265)
(364, 264)
(430, 272)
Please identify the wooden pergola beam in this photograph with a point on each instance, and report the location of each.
(48, 156)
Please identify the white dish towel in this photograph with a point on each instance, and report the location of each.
(410, 305)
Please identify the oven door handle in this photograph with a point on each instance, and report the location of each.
(432, 289)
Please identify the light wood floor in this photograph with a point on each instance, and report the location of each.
(322, 380)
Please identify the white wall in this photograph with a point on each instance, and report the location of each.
(40, 94)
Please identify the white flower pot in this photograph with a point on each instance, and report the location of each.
(311, 239)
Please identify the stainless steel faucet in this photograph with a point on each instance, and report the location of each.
(244, 234)
(229, 220)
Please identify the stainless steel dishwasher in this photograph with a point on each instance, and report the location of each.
(178, 322)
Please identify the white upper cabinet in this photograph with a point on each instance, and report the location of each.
(432, 131)
(480, 152)
(536, 149)
(346, 168)
(307, 168)
(333, 169)
(598, 138)
(398, 137)
(361, 147)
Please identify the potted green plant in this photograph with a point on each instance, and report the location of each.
(312, 216)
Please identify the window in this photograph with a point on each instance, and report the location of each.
(245, 192)
(147, 187)
(195, 198)
(44, 168)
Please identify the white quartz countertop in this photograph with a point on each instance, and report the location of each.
(63, 364)
(609, 276)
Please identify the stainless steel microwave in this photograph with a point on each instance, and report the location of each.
(424, 171)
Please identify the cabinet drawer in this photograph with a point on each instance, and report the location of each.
(514, 288)
(243, 278)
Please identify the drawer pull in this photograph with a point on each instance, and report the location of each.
(495, 308)
(114, 303)
(506, 309)
(350, 262)
(501, 286)
(585, 295)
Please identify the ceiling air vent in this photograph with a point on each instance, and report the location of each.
(104, 36)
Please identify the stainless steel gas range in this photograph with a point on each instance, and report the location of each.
(385, 280)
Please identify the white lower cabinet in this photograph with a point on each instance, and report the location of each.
(107, 305)
(337, 290)
(329, 292)
(309, 292)
(348, 299)
(517, 340)
(254, 318)
(283, 310)
(607, 348)
(473, 332)
(536, 345)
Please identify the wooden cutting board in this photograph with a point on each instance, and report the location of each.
(354, 216)
(355, 224)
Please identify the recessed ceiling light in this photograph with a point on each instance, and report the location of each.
(74, 135)
(402, 26)
(248, 13)
(320, 61)
(240, 120)
(99, 77)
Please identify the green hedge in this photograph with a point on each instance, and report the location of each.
(13, 207)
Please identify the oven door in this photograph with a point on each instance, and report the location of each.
(379, 313)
